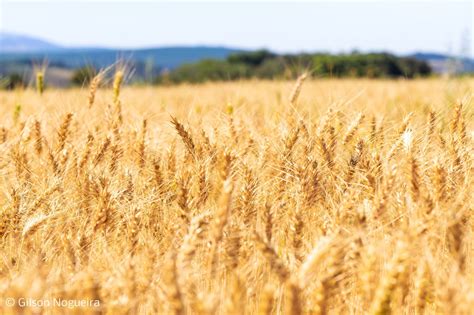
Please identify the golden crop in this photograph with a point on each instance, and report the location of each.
(328, 197)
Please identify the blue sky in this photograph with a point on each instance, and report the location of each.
(397, 26)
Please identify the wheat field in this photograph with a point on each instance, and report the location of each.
(255, 197)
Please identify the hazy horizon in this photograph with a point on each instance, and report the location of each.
(397, 26)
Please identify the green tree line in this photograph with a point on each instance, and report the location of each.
(266, 65)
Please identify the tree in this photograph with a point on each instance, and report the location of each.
(83, 76)
(254, 58)
(12, 81)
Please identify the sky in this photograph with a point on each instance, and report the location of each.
(397, 26)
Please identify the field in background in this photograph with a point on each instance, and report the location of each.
(256, 197)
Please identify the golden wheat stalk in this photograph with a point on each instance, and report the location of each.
(295, 93)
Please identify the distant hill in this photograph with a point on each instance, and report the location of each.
(13, 43)
(18, 53)
(441, 63)
(429, 56)
(166, 57)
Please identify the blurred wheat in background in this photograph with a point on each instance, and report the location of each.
(251, 197)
